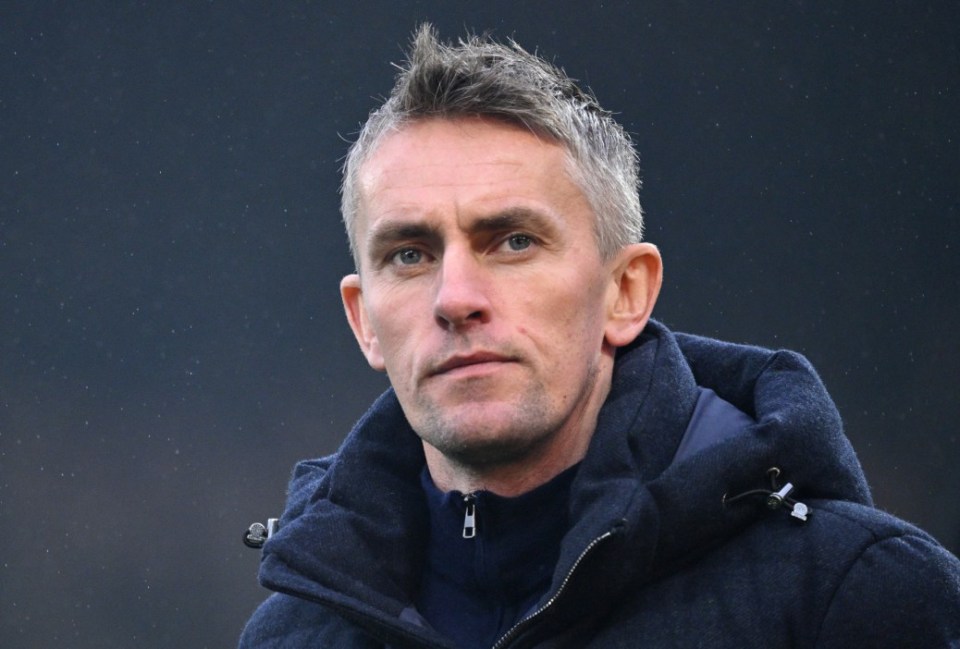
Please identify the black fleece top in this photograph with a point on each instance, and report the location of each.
(476, 587)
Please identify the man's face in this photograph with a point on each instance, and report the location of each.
(481, 290)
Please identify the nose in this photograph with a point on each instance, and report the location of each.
(462, 297)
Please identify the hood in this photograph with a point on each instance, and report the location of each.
(668, 509)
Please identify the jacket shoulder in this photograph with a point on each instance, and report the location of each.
(901, 588)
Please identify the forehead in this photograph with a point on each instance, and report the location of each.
(461, 164)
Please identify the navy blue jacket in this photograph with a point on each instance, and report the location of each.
(681, 533)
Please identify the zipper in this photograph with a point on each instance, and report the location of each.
(470, 516)
(525, 622)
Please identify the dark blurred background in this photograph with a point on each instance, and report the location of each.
(171, 336)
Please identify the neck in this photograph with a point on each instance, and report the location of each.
(506, 480)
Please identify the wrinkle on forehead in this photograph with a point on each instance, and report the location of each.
(392, 176)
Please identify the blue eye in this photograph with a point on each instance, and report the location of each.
(518, 242)
(408, 256)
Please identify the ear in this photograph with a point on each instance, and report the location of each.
(352, 294)
(635, 285)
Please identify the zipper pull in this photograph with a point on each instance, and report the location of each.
(470, 517)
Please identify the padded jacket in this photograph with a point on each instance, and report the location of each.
(685, 530)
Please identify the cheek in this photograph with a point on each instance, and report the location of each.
(392, 341)
(577, 308)
(398, 333)
(567, 327)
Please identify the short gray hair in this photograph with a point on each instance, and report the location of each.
(480, 77)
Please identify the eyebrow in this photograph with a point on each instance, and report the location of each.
(389, 234)
(515, 218)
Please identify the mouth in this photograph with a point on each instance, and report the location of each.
(475, 360)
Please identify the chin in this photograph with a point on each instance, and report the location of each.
(489, 451)
(486, 441)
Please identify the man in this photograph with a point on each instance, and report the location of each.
(552, 468)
